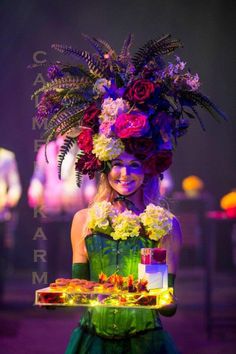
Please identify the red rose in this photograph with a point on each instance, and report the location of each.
(88, 165)
(158, 162)
(140, 91)
(129, 125)
(140, 147)
(85, 140)
(163, 160)
(90, 118)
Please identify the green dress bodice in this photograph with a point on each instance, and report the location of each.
(122, 257)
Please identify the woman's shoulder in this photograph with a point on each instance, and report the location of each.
(79, 222)
(81, 214)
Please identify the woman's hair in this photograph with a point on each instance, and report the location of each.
(150, 190)
(105, 191)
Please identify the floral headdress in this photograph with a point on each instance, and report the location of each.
(139, 104)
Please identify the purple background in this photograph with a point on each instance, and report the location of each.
(207, 29)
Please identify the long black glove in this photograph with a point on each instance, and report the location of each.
(80, 270)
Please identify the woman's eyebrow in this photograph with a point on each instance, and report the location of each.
(129, 161)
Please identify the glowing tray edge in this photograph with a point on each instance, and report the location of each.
(153, 299)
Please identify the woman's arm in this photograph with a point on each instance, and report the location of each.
(172, 244)
(80, 266)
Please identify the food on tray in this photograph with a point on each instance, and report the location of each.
(105, 284)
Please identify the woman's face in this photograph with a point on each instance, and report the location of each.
(126, 174)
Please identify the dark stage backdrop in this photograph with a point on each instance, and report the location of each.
(208, 33)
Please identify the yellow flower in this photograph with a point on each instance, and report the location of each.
(228, 201)
(125, 225)
(157, 221)
(99, 215)
(105, 148)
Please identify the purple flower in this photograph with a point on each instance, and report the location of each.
(192, 82)
(187, 82)
(173, 70)
(54, 72)
(48, 105)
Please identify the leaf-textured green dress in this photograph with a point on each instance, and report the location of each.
(112, 330)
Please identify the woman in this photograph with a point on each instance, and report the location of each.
(124, 113)
(127, 330)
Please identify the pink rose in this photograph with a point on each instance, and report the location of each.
(129, 125)
(106, 128)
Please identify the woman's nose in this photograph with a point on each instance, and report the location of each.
(125, 171)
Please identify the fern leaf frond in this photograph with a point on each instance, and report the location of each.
(64, 149)
(78, 176)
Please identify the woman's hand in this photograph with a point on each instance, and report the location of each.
(167, 303)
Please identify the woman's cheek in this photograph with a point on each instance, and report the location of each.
(114, 173)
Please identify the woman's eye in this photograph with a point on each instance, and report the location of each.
(116, 164)
(135, 165)
(131, 165)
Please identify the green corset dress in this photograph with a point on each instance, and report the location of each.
(111, 330)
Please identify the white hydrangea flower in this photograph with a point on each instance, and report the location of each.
(112, 108)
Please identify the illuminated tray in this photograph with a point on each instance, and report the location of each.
(152, 299)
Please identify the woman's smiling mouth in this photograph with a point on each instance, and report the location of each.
(125, 183)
